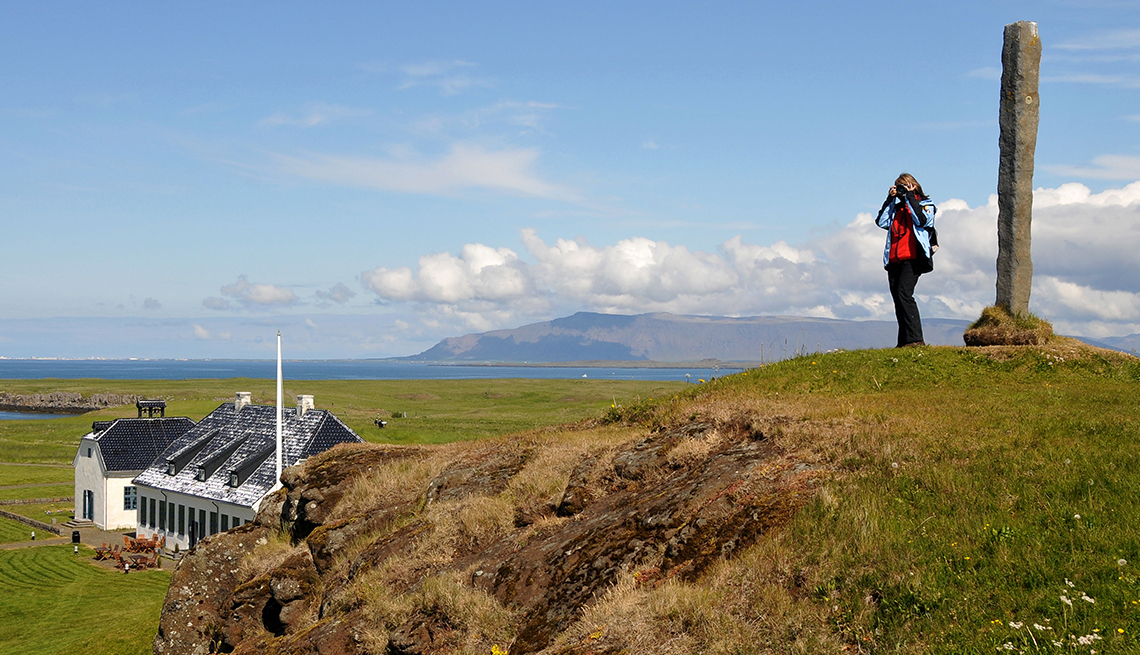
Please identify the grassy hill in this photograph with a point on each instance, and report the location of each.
(982, 499)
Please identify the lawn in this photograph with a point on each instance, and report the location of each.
(56, 603)
(21, 474)
(38, 491)
(13, 531)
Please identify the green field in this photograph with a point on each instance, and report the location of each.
(54, 602)
(14, 475)
(46, 491)
(438, 411)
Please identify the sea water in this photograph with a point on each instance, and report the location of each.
(327, 369)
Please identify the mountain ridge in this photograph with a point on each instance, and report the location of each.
(665, 337)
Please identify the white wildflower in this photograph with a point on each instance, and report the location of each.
(1076, 517)
(1068, 582)
(1121, 562)
(1016, 625)
(1065, 600)
(1041, 628)
(1085, 598)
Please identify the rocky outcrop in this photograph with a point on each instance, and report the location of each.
(63, 402)
(667, 505)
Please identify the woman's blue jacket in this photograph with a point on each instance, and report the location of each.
(922, 212)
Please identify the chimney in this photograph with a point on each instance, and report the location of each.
(241, 400)
(304, 404)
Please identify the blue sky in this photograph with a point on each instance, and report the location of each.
(372, 177)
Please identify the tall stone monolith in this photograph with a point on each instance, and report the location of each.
(1020, 70)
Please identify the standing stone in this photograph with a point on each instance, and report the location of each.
(1020, 70)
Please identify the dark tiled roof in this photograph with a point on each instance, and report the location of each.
(131, 444)
(242, 442)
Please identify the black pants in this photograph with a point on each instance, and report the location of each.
(902, 277)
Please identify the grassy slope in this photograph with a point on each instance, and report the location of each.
(53, 603)
(974, 489)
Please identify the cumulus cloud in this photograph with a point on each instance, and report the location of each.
(250, 294)
(466, 166)
(338, 293)
(1086, 277)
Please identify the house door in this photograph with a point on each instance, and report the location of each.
(88, 504)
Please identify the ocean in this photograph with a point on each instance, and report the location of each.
(324, 369)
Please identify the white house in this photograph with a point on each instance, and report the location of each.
(110, 456)
(214, 476)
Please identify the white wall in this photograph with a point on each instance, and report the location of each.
(182, 538)
(91, 475)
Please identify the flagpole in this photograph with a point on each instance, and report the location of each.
(277, 480)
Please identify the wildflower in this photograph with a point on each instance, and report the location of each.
(894, 465)
(1016, 625)
(1065, 600)
(1076, 517)
(1121, 562)
(1068, 461)
(1085, 598)
(1069, 582)
(895, 360)
(1120, 630)
(1041, 628)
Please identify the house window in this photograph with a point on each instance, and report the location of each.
(170, 516)
(213, 523)
(130, 498)
(152, 508)
(182, 519)
(89, 452)
(162, 515)
(225, 522)
(201, 523)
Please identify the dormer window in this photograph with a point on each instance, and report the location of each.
(234, 479)
(200, 476)
(171, 468)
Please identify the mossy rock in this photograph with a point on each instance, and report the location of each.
(997, 327)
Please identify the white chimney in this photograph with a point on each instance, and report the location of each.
(242, 399)
(304, 404)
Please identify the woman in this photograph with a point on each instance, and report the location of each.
(908, 217)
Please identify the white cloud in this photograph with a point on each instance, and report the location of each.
(985, 73)
(216, 303)
(447, 76)
(649, 144)
(338, 293)
(317, 114)
(466, 166)
(1110, 40)
(252, 294)
(1105, 167)
(1087, 277)
(201, 332)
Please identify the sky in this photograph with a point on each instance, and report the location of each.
(184, 180)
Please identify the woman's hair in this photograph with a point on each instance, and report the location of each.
(908, 180)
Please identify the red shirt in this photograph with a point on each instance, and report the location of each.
(904, 244)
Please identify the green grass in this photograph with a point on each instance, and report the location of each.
(47, 491)
(438, 411)
(13, 531)
(61, 512)
(55, 603)
(15, 474)
(975, 491)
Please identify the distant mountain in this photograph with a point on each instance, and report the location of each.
(661, 337)
(1128, 344)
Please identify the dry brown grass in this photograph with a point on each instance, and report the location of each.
(398, 482)
(268, 554)
(997, 327)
